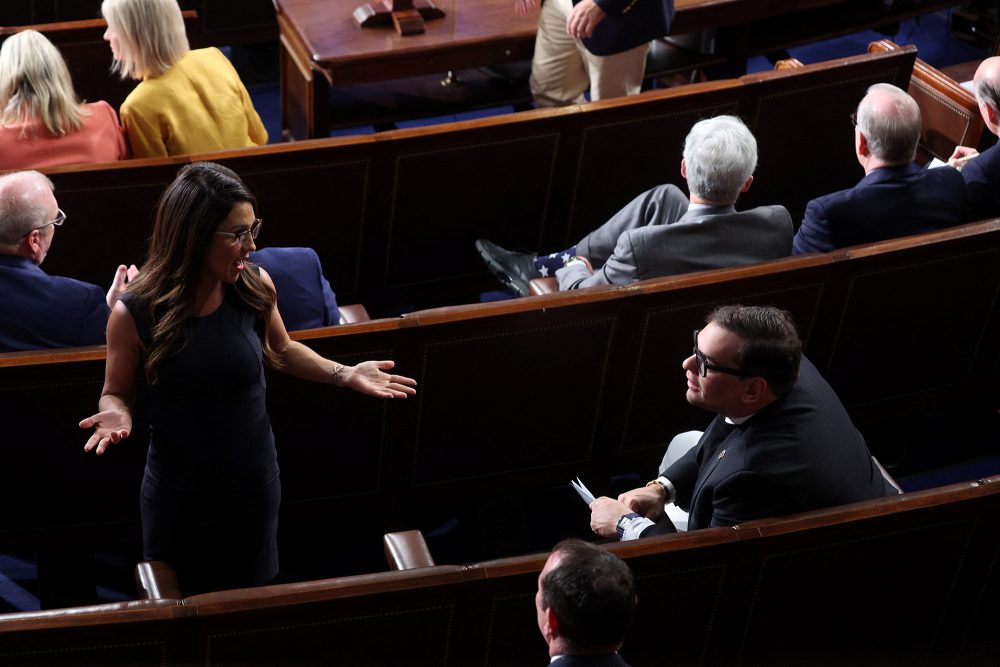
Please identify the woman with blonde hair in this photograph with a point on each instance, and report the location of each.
(187, 101)
(42, 123)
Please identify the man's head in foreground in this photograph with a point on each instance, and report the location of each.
(585, 601)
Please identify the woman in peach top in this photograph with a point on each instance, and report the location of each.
(41, 121)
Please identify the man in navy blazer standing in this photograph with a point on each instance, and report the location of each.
(781, 441)
(305, 299)
(982, 172)
(585, 603)
(38, 310)
(600, 44)
(896, 197)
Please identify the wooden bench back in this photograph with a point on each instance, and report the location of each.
(220, 23)
(142, 632)
(88, 56)
(483, 426)
(405, 617)
(394, 216)
(895, 581)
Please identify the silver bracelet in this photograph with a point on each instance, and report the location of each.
(336, 373)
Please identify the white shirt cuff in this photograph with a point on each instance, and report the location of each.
(669, 487)
(635, 528)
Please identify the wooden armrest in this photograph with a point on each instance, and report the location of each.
(886, 475)
(882, 46)
(155, 580)
(788, 63)
(407, 550)
(355, 312)
(543, 286)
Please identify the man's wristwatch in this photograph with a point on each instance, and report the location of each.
(659, 482)
(623, 521)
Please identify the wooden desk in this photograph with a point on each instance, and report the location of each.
(321, 46)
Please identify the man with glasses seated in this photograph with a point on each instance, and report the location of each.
(781, 441)
(38, 310)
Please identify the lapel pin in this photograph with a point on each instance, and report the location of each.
(721, 454)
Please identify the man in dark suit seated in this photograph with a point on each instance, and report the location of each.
(781, 441)
(982, 171)
(896, 197)
(305, 299)
(661, 232)
(585, 603)
(38, 310)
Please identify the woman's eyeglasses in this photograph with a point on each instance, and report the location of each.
(244, 236)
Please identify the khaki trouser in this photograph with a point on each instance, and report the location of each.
(562, 67)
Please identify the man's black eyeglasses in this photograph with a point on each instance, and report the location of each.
(243, 237)
(702, 365)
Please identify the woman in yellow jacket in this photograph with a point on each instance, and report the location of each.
(186, 101)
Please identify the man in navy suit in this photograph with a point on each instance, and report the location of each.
(305, 300)
(600, 44)
(781, 441)
(585, 603)
(38, 310)
(896, 197)
(982, 172)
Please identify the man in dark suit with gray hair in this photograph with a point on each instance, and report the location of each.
(661, 232)
(38, 310)
(897, 197)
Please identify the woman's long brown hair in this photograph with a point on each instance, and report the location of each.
(189, 212)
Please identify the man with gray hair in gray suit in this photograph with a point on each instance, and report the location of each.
(662, 232)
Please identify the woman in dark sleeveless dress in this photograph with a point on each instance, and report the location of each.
(200, 322)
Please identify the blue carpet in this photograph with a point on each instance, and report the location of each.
(952, 474)
(930, 34)
(17, 578)
(497, 295)
(267, 100)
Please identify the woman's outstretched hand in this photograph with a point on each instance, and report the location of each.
(110, 428)
(369, 377)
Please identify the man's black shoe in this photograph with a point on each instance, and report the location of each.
(513, 269)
